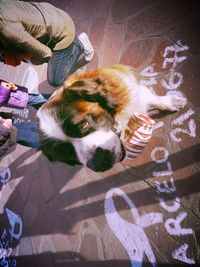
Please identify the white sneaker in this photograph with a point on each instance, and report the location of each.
(88, 48)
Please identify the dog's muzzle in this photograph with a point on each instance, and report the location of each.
(104, 159)
(101, 160)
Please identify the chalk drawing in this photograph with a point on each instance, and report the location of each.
(180, 254)
(131, 235)
(170, 208)
(179, 121)
(159, 149)
(21, 112)
(161, 159)
(183, 117)
(160, 155)
(149, 73)
(15, 224)
(165, 188)
(174, 82)
(173, 226)
(158, 125)
(176, 48)
(15, 231)
(5, 175)
(5, 252)
(150, 82)
(191, 132)
(166, 172)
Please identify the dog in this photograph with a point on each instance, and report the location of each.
(84, 121)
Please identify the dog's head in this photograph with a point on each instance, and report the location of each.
(86, 107)
(78, 123)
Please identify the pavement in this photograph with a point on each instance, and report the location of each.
(142, 213)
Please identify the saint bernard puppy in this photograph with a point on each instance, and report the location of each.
(84, 121)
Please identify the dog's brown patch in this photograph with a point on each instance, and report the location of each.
(83, 108)
(106, 82)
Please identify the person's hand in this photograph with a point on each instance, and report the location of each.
(1, 120)
(7, 123)
(37, 61)
(9, 85)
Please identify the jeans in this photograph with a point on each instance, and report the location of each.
(27, 134)
(37, 100)
(61, 63)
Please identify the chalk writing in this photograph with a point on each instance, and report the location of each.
(180, 254)
(166, 172)
(160, 159)
(148, 72)
(165, 188)
(132, 235)
(191, 131)
(172, 226)
(176, 48)
(174, 82)
(170, 208)
(5, 175)
(15, 223)
(22, 113)
(183, 117)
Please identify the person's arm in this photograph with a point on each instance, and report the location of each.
(4, 147)
(4, 133)
(13, 135)
(4, 139)
(14, 32)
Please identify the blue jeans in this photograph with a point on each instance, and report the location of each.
(37, 100)
(62, 62)
(27, 134)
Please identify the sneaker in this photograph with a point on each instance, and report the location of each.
(87, 46)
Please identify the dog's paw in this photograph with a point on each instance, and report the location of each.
(176, 102)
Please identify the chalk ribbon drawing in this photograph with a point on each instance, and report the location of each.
(131, 235)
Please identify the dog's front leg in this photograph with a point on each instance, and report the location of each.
(171, 102)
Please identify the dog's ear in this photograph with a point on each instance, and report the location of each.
(56, 150)
(91, 90)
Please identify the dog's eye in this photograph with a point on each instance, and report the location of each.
(85, 125)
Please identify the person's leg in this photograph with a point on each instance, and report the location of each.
(88, 48)
(62, 62)
(37, 100)
(27, 134)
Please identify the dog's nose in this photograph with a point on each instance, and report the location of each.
(101, 160)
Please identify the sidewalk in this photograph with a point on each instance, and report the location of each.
(144, 214)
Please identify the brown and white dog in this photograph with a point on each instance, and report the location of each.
(84, 121)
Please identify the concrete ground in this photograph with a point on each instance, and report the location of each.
(146, 213)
